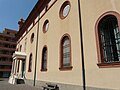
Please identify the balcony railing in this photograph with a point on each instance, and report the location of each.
(6, 35)
(5, 55)
(8, 42)
(8, 49)
(5, 70)
(5, 63)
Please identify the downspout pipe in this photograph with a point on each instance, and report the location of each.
(36, 50)
(82, 48)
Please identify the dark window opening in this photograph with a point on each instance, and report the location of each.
(32, 37)
(109, 38)
(44, 59)
(30, 63)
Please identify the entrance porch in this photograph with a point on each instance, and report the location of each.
(18, 67)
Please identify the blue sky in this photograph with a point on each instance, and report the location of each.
(12, 10)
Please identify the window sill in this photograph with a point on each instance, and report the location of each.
(108, 65)
(65, 68)
(43, 70)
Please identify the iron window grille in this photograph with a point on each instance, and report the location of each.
(109, 37)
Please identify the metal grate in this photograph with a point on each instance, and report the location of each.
(110, 40)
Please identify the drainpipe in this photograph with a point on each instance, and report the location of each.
(36, 50)
(82, 50)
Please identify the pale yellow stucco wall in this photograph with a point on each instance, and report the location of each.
(91, 10)
(57, 28)
(30, 48)
(95, 76)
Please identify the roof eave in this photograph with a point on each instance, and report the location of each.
(33, 14)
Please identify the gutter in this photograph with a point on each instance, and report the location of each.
(82, 49)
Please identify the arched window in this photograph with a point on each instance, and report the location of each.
(44, 59)
(65, 51)
(45, 26)
(20, 48)
(32, 37)
(30, 63)
(108, 41)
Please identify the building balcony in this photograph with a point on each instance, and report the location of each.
(7, 49)
(5, 70)
(8, 42)
(5, 63)
(6, 55)
(6, 35)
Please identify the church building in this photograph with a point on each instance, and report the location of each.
(74, 44)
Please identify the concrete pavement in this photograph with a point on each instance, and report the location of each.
(4, 85)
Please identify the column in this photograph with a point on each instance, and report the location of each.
(21, 67)
(18, 66)
(15, 67)
(12, 70)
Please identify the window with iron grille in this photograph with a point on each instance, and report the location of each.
(109, 38)
(44, 59)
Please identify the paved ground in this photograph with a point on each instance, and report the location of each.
(4, 85)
